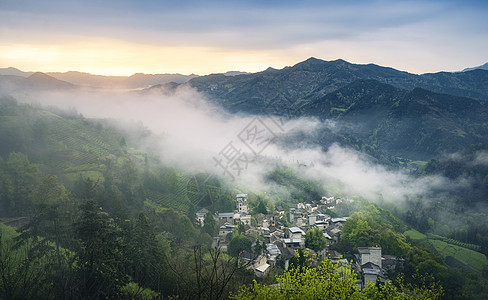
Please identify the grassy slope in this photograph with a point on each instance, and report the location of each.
(471, 259)
(7, 232)
(72, 146)
(414, 234)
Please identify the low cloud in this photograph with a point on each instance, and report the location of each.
(481, 158)
(191, 133)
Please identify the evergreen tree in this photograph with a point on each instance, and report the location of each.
(209, 224)
(146, 254)
(99, 256)
(239, 243)
(261, 208)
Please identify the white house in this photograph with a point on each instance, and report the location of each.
(246, 219)
(201, 215)
(227, 217)
(225, 229)
(295, 232)
(241, 204)
(262, 270)
(370, 254)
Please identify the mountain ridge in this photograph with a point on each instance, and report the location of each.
(482, 67)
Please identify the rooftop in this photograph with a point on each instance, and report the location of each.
(292, 241)
(262, 268)
(226, 215)
(295, 229)
(366, 250)
(372, 272)
(273, 249)
(335, 220)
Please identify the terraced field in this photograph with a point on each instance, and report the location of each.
(77, 147)
(473, 260)
(463, 253)
(415, 235)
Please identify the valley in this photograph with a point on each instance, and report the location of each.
(122, 191)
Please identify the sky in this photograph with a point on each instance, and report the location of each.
(125, 37)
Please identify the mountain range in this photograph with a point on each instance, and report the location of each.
(392, 115)
(387, 113)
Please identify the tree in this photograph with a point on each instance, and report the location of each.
(146, 253)
(49, 233)
(20, 183)
(261, 208)
(301, 260)
(99, 256)
(209, 224)
(328, 281)
(315, 240)
(258, 248)
(332, 281)
(216, 272)
(239, 243)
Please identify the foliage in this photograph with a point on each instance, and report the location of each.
(375, 226)
(100, 255)
(301, 260)
(133, 291)
(332, 281)
(300, 189)
(58, 170)
(145, 253)
(18, 181)
(209, 224)
(473, 260)
(261, 208)
(239, 243)
(315, 240)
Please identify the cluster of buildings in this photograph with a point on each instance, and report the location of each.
(373, 266)
(280, 242)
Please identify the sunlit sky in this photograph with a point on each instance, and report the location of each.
(120, 37)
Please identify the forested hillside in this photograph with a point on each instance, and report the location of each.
(389, 114)
(97, 217)
(89, 210)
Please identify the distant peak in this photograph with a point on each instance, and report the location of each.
(311, 59)
(39, 75)
(42, 78)
(482, 67)
(270, 69)
(137, 75)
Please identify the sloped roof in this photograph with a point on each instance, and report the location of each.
(273, 249)
(370, 265)
(226, 215)
(291, 241)
(366, 250)
(327, 236)
(372, 272)
(296, 229)
(263, 268)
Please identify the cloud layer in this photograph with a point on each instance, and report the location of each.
(191, 133)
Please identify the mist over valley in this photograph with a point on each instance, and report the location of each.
(398, 152)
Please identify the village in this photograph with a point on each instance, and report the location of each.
(278, 243)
